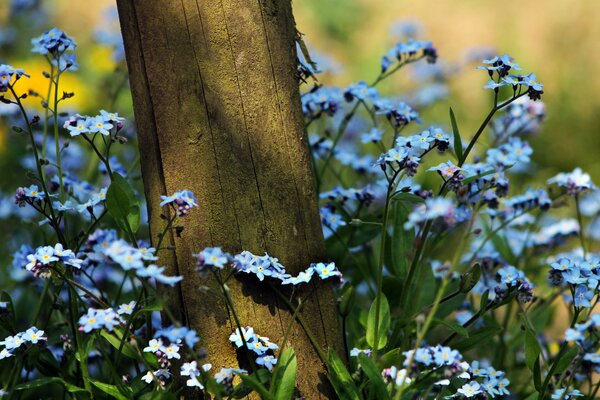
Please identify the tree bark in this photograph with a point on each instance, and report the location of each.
(218, 112)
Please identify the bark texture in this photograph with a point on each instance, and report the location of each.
(218, 112)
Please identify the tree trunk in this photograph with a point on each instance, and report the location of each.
(218, 112)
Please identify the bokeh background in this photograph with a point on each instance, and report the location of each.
(557, 39)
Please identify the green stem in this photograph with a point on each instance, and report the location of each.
(55, 114)
(392, 185)
(304, 326)
(581, 228)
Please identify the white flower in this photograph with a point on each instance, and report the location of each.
(153, 346)
(172, 351)
(149, 377)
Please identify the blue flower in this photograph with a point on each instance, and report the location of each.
(98, 125)
(90, 321)
(361, 91)
(478, 370)
(470, 389)
(582, 297)
(45, 255)
(267, 361)
(331, 220)
(373, 136)
(247, 333)
(182, 201)
(34, 335)
(494, 85)
(212, 256)
(53, 41)
(445, 355)
(326, 270)
(575, 182)
(423, 356)
(531, 82)
(432, 209)
(399, 115)
(559, 394)
(33, 192)
(7, 73)
(447, 170)
(510, 275)
(303, 277)
(322, 100)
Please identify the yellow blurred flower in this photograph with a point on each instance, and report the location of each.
(69, 82)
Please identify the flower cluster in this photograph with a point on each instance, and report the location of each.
(521, 117)
(321, 100)
(60, 46)
(565, 394)
(191, 370)
(447, 364)
(330, 220)
(433, 209)
(575, 182)
(585, 335)
(398, 114)
(32, 335)
(96, 319)
(181, 201)
(408, 51)
(360, 91)
(362, 197)
(501, 67)
(104, 246)
(262, 266)
(53, 41)
(408, 151)
(260, 345)
(104, 123)
(167, 346)
(583, 277)
(501, 280)
(7, 74)
(509, 154)
(43, 258)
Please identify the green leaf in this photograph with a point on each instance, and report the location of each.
(8, 323)
(537, 375)
(476, 338)
(110, 390)
(532, 396)
(470, 279)
(284, 376)
(122, 204)
(384, 323)
(484, 300)
(46, 381)
(406, 196)
(256, 385)
(458, 149)
(400, 244)
(392, 357)
(532, 349)
(452, 326)
(564, 362)
(340, 378)
(154, 305)
(376, 384)
(115, 340)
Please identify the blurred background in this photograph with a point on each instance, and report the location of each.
(556, 39)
